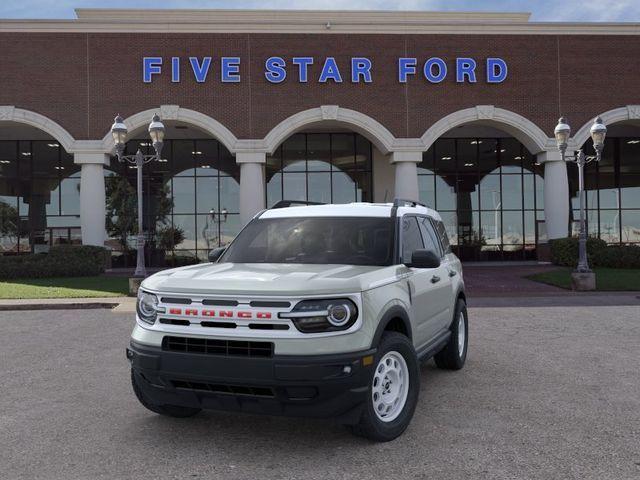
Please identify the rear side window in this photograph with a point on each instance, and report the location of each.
(442, 234)
(429, 236)
(411, 238)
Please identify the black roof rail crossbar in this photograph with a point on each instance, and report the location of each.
(401, 202)
(288, 203)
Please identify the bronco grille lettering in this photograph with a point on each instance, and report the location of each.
(209, 313)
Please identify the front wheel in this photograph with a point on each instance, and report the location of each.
(393, 390)
(454, 354)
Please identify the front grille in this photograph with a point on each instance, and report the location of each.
(209, 346)
(225, 389)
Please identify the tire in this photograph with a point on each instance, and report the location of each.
(395, 354)
(167, 410)
(451, 357)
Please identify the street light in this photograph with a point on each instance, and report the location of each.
(598, 132)
(119, 133)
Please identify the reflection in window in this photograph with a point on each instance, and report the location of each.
(489, 193)
(39, 196)
(320, 167)
(191, 201)
(612, 190)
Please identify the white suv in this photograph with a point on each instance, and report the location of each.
(320, 310)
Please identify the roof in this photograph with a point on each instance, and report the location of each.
(311, 21)
(359, 209)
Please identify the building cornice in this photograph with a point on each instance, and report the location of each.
(318, 22)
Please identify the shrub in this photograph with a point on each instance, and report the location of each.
(618, 256)
(565, 252)
(181, 260)
(61, 261)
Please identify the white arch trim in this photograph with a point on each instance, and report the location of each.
(621, 114)
(382, 138)
(177, 113)
(10, 113)
(531, 136)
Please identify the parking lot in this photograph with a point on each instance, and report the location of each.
(549, 392)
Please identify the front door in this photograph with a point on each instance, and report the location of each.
(430, 288)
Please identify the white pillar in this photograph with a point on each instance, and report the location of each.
(92, 197)
(556, 194)
(252, 196)
(406, 165)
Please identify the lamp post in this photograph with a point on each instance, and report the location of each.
(598, 132)
(156, 132)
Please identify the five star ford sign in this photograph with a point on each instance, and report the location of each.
(361, 69)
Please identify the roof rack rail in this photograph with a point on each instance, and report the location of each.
(401, 202)
(289, 203)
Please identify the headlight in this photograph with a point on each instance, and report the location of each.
(313, 316)
(147, 306)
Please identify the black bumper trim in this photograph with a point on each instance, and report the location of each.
(311, 385)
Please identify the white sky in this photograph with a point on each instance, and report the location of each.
(542, 10)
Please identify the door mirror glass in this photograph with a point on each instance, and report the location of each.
(424, 259)
(215, 254)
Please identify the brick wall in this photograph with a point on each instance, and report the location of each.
(82, 80)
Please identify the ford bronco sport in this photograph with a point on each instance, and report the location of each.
(321, 310)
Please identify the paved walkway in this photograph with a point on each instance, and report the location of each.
(505, 279)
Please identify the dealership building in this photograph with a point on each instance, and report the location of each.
(456, 110)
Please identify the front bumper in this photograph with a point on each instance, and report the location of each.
(310, 386)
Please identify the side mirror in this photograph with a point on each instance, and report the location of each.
(424, 259)
(216, 253)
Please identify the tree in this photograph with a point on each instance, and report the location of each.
(122, 208)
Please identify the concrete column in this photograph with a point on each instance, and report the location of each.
(92, 197)
(556, 194)
(252, 196)
(406, 165)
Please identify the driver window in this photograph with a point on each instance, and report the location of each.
(411, 238)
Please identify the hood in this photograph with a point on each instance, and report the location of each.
(268, 279)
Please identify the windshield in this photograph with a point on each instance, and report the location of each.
(338, 240)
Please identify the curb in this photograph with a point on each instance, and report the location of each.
(58, 306)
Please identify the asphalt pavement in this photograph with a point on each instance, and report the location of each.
(547, 393)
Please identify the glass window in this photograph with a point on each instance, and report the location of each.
(467, 154)
(316, 240)
(630, 226)
(445, 194)
(320, 187)
(512, 192)
(206, 195)
(343, 151)
(442, 234)
(183, 153)
(411, 238)
(184, 198)
(294, 153)
(320, 167)
(426, 188)
(319, 152)
(429, 236)
(511, 155)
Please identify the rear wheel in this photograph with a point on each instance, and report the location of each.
(168, 410)
(454, 354)
(393, 390)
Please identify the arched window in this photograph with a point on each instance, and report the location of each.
(489, 194)
(320, 167)
(191, 200)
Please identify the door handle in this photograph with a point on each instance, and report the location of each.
(435, 279)
(452, 273)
